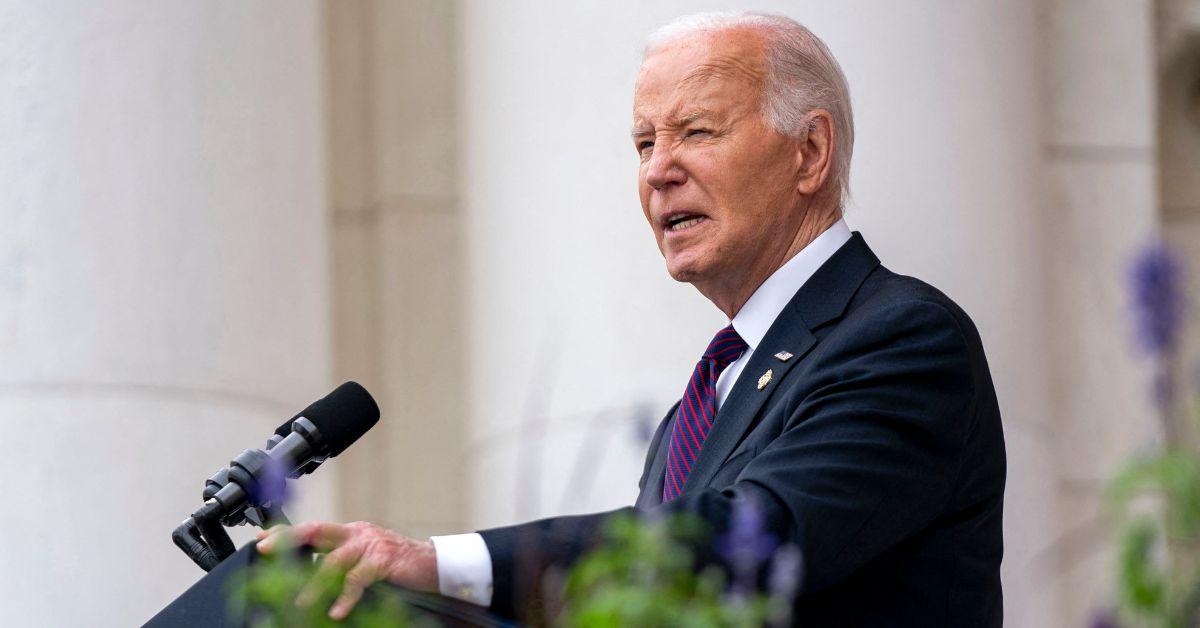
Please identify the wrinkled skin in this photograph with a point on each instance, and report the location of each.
(707, 152)
(365, 552)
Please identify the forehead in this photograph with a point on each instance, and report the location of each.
(704, 71)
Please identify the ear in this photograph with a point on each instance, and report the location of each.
(815, 152)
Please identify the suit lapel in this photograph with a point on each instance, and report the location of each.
(746, 399)
(821, 299)
(652, 492)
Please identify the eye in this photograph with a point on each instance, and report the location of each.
(697, 131)
(644, 145)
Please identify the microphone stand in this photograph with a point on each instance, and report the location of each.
(202, 536)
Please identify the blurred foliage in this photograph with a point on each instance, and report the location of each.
(1156, 496)
(645, 575)
(1157, 499)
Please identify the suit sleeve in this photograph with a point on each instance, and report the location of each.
(522, 554)
(867, 456)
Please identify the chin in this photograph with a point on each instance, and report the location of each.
(685, 271)
(681, 277)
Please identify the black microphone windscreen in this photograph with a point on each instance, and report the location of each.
(341, 417)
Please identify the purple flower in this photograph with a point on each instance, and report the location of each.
(1163, 389)
(747, 545)
(273, 489)
(787, 572)
(1158, 299)
(1103, 619)
(644, 423)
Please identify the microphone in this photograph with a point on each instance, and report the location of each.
(343, 415)
(251, 488)
(322, 430)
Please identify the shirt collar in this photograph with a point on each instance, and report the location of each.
(765, 305)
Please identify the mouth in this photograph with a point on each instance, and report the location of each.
(681, 221)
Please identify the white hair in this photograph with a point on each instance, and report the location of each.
(802, 75)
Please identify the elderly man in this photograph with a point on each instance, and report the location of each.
(852, 404)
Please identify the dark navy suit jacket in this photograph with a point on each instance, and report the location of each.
(877, 450)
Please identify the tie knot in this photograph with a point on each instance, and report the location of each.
(726, 347)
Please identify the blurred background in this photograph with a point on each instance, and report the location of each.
(212, 212)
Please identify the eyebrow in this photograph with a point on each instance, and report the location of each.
(684, 120)
(692, 116)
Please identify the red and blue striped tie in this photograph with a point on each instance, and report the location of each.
(694, 418)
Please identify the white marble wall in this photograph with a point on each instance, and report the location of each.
(163, 283)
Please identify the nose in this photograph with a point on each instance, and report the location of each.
(662, 169)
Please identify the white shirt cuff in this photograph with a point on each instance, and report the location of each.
(464, 568)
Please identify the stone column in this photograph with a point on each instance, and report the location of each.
(163, 283)
(1098, 138)
(398, 258)
(1178, 29)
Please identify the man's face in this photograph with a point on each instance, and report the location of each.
(717, 183)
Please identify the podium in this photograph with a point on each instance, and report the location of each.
(206, 603)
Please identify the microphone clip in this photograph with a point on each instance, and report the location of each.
(251, 490)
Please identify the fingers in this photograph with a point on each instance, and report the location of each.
(363, 575)
(362, 566)
(268, 539)
(336, 563)
(262, 534)
(322, 535)
(365, 553)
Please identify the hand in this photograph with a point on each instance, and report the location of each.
(366, 553)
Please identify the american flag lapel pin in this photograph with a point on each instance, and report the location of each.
(783, 356)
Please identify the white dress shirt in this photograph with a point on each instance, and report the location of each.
(463, 562)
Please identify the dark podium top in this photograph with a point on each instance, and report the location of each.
(207, 604)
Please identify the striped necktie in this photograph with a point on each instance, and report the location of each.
(697, 409)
